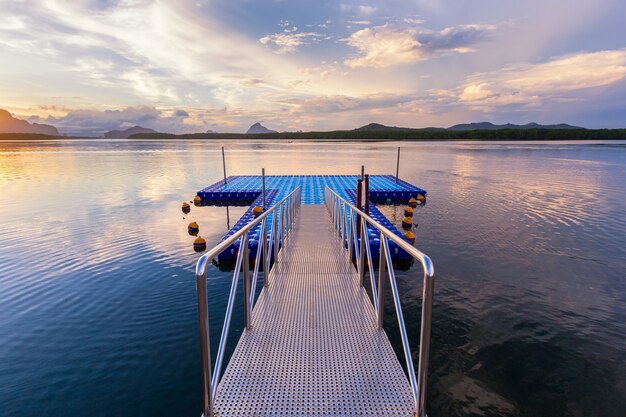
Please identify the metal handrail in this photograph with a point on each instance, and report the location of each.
(283, 214)
(345, 217)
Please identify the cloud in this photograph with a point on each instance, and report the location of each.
(390, 44)
(366, 10)
(338, 103)
(207, 60)
(146, 51)
(288, 41)
(94, 122)
(359, 10)
(531, 84)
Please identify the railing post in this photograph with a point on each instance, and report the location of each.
(398, 165)
(382, 273)
(360, 225)
(264, 248)
(246, 278)
(332, 214)
(224, 164)
(288, 214)
(422, 373)
(346, 231)
(359, 189)
(275, 235)
(283, 224)
(350, 235)
(366, 194)
(281, 233)
(263, 186)
(342, 221)
(292, 210)
(203, 335)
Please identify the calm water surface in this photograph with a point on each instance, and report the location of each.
(97, 297)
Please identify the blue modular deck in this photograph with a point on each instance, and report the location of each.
(246, 190)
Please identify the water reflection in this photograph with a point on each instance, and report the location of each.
(97, 299)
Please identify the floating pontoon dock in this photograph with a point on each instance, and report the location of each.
(247, 190)
(313, 343)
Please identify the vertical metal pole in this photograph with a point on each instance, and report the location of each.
(205, 350)
(246, 278)
(339, 203)
(344, 224)
(281, 233)
(398, 165)
(362, 171)
(288, 217)
(382, 273)
(422, 373)
(288, 212)
(275, 235)
(360, 224)
(266, 264)
(359, 189)
(263, 180)
(366, 194)
(337, 215)
(224, 164)
(350, 235)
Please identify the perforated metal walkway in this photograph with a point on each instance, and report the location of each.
(313, 348)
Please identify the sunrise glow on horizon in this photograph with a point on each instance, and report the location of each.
(88, 67)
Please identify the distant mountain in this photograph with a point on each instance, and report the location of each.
(377, 127)
(9, 124)
(259, 128)
(125, 134)
(491, 126)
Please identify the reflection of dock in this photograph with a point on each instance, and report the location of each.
(247, 190)
(314, 344)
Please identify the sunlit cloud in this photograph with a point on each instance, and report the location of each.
(389, 45)
(528, 84)
(289, 41)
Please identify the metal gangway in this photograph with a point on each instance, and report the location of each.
(313, 343)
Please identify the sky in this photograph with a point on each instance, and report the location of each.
(191, 66)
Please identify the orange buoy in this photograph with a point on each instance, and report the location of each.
(410, 236)
(193, 228)
(407, 222)
(408, 212)
(186, 207)
(412, 202)
(199, 245)
(257, 211)
(197, 200)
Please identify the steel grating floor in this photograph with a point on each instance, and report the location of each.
(313, 349)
